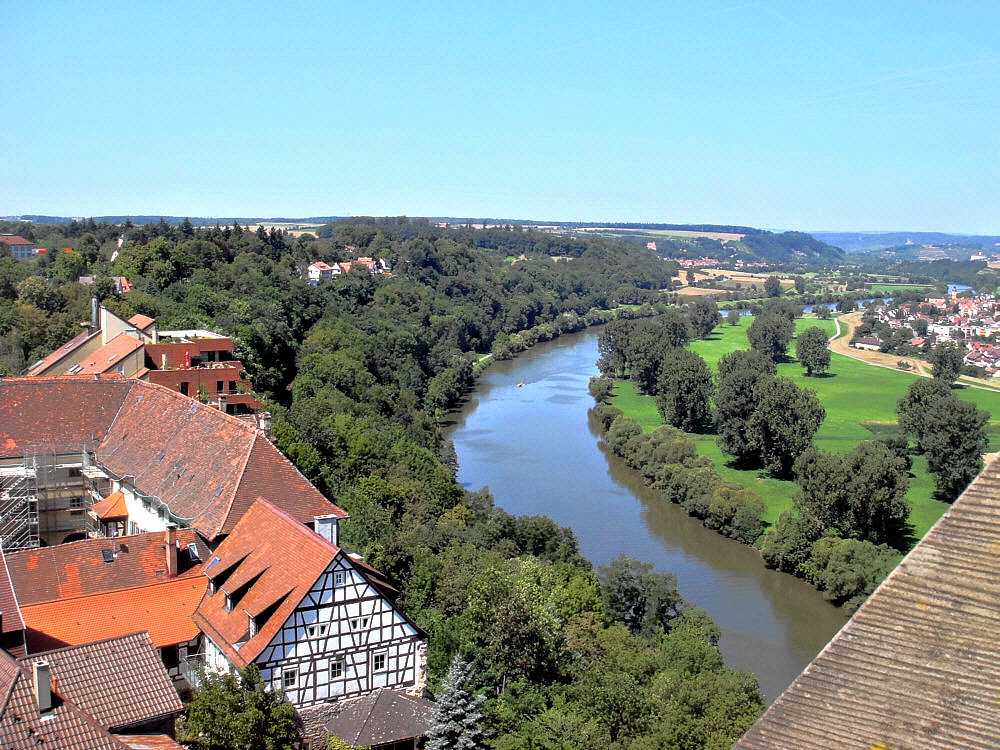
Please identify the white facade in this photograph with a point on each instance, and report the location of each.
(343, 639)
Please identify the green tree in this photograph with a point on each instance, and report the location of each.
(860, 494)
(914, 409)
(848, 570)
(733, 317)
(812, 351)
(772, 286)
(684, 391)
(643, 601)
(787, 546)
(737, 376)
(783, 423)
(823, 312)
(458, 714)
(947, 359)
(770, 334)
(703, 316)
(236, 710)
(954, 443)
(800, 284)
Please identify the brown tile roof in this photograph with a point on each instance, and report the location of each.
(65, 350)
(916, 667)
(164, 609)
(107, 357)
(121, 682)
(66, 727)
(205, 465)
(63, 414)
(14, 239)
(78, 568)
(280, 558)
(10, 612)
(382, 717)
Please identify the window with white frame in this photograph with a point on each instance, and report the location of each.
(378, 661)
(289, 678)
(338, 578)
(336, 669)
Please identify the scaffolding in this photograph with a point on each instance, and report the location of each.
(19, 505)
(96, 485)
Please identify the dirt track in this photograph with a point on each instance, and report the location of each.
(840, 344)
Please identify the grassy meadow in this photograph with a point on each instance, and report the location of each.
(860, 402)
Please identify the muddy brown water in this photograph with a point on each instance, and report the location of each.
(525, 433)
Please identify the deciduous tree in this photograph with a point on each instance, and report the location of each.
(737, 376)
(684, 391)
(812, 351)
(770, 334)
(947, 359)
(783, 423)
(233, 710)
(703, 315)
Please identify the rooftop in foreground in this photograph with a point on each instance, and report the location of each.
(916, 667)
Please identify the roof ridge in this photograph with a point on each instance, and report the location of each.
(89, 643)
(299, 528)
(183, 577)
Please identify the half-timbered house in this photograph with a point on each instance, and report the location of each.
(320, 624)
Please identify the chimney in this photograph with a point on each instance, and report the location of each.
(170, 536)
(42, 679)
(222, 404)
(93, 314)
(163, 361)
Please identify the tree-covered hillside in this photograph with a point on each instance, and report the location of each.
(354, 371)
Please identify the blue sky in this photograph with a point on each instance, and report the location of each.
(790, 115)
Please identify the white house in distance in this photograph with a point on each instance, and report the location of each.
(320, 624)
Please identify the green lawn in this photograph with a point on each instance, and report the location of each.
(891, 288)
(860, 402)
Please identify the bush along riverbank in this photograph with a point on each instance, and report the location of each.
(847, 525)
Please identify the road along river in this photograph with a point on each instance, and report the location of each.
(525, 433)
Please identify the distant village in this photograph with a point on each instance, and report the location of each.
(972, 322)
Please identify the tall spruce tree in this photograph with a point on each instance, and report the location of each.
(458, 715)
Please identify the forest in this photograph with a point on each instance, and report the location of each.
(355, 372)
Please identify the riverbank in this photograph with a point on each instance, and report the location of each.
(538, 450)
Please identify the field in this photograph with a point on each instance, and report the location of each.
(860, 402)
(893, 288)
(685, 233)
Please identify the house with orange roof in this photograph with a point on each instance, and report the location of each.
(199, 364)
(321, 627)
(107, 588)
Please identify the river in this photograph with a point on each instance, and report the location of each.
(539, 451)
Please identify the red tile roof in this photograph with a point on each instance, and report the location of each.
(108, 356)
(205, 465)
(164, 609)
(113, 506)
(78, 568)
(261, 547)
(65, 727)
(40, 367)
(10, 612)
(149, 742)
(142, 322)
(13, 239)
(121, 682)
(62, 414)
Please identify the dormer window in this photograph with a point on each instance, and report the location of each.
(251, 624)
(227, 603)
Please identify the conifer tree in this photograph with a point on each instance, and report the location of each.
(458, 714)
